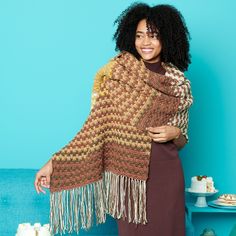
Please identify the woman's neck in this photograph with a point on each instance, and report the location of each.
(155, 67)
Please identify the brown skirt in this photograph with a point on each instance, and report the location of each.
(165, 196)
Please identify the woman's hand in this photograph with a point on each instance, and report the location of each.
(163, 134)
(42, 178)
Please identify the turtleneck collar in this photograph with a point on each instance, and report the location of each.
(155, 67)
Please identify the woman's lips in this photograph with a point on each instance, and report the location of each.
(146, 50)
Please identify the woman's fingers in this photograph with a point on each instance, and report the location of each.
(159, 140)
(40, 181)
(155, 136)
(156, 130)
(41, 189)
(36, 181)
(42, 178)
(44, 182)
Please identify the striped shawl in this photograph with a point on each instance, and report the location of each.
(107, 161)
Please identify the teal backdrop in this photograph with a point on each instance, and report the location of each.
(51, 50)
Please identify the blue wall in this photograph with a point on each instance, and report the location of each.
(50, 51)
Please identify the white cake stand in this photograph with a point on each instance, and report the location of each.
(201, 197)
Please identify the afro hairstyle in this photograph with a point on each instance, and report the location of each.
(167, 20)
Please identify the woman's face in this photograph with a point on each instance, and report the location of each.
(147, 44)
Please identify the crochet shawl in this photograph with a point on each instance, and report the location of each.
(106, 163)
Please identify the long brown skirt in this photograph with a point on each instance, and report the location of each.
(165, 196)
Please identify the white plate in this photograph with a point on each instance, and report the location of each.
(215, 204)
(224, 203)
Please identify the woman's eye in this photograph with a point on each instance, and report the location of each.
(154, 36)
(138, 36)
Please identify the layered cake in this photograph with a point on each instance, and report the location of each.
(227, 200)
(202, 184)
(26, 229)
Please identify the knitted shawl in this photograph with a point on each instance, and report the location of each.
(104, 168)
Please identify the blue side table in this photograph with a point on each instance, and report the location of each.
(221, 220)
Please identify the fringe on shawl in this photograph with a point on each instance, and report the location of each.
(74, 209)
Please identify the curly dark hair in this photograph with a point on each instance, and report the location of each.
(170, 23)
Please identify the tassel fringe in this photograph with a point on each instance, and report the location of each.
(74, 209)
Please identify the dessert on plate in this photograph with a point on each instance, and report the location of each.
(202, 184)
(26, 229)
(226, 200)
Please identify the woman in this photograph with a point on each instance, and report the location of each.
(148, 97)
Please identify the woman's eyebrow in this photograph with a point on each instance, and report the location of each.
(140, 32)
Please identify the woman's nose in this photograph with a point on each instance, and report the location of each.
(146, 40)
